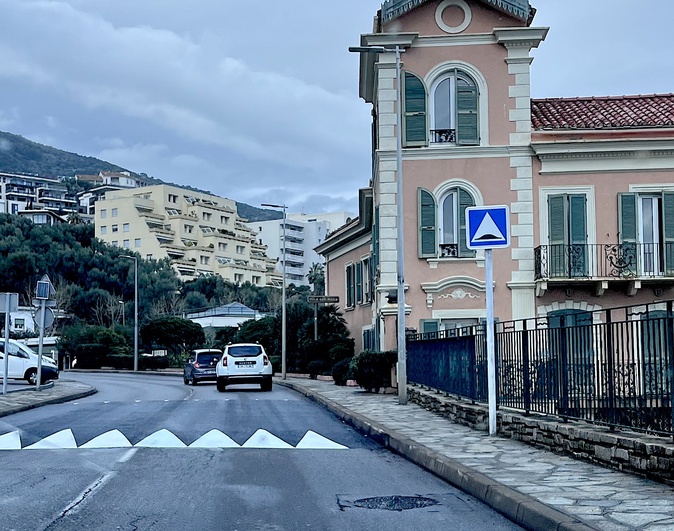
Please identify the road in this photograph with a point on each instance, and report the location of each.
(267, 479)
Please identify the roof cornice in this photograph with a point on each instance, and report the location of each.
(519, 9)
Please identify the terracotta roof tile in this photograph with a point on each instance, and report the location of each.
(609, 112)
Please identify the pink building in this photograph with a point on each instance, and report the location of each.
(589, 181)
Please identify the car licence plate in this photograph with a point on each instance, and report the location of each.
(245, 363)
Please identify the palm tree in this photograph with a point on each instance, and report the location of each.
(316, 278)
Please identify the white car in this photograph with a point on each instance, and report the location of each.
(244, 363)
(22, 364)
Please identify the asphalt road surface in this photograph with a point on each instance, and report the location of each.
(121, 460)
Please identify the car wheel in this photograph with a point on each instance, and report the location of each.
(266, 385)
(194, 380)
(185, 380)
(221, 385)
(31, 376)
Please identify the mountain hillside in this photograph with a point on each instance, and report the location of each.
(20, 155)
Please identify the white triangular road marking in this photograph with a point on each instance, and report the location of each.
(61, 439)
(214, 439)
(264, 439)
(109, 439)
(161, 439)
(488, 231)
(10, 441)
(314, 441)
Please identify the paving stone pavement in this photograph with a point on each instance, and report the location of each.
(61, 390)
(598, 497)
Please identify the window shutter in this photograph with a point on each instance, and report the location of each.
(375, 246)
(557, 235)
(578, 235)
(427, 247)
(414, 112)
(627, 213)
(465, 200)
(359, 282)
(467, 132)
(668, 231)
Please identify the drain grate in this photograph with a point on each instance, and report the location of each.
(395, 503)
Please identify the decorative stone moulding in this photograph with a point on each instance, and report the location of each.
(443, 6)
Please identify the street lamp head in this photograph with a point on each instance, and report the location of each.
(375, 49)
(273, 205)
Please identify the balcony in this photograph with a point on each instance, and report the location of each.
(603, 263)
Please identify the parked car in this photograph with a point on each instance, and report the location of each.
(200, 366)
(244, 363)
(22, 364)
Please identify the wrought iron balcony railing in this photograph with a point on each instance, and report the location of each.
(613, 260)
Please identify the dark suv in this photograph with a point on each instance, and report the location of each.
(200, 366)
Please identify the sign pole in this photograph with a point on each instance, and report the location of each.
(43, 314)
(316, 322)
(491, 357)
(5, 369)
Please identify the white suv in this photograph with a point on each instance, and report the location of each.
(244, 363)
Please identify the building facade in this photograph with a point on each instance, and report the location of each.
(303, 233)
(587, 180)
(200, 233)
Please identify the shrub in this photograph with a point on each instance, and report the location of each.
(152, 363)
(341, 371)
(119, 361)
(372, 370)
(91, 356)
(316, 367)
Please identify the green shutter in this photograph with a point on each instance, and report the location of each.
(577, 235)
(668, 231)
(627, 225)
(429, 326)
(465, 200)
(414, 112)
(427, 247)
(557, 235)
(467, 131)
(359, 282)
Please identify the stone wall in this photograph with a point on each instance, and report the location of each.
(636, 453)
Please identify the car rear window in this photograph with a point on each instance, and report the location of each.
(240, 351)
(208, 357)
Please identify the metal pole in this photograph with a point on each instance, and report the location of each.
(316, 322)
(135, 314)
(5, 369)
(43, 312)
(491, 359)
(283, 302)
(402, 347)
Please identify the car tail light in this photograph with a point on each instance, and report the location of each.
(224, 361)
(196, 365)
(266, 360)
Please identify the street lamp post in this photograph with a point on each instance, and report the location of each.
(283, 291)
(123, 320)
(135, 310)
(400, 256)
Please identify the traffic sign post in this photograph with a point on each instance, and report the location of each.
(488, 227)
(11, 304)
(316, 300)
(43, 291)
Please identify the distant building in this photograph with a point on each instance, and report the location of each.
(228, 315)
(303, 233)
(200, 233)
(31, 192)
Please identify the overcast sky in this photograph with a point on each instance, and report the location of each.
(258, 100)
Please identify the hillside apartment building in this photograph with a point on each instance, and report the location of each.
(200, 233)
(589, 181)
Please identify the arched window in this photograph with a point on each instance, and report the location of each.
(454, 117)
(442, 226)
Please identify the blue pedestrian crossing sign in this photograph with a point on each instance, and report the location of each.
(487, 227)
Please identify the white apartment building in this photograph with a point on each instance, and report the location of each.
(200, 233)
(31, 192)
(304, 232)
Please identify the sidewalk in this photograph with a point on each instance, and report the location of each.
(52, 393)
(537, 489)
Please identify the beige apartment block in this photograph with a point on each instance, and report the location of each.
(200, 233)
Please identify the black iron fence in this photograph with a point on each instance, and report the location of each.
(616, 260)
(611, 367)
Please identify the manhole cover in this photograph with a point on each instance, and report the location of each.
(395, 503)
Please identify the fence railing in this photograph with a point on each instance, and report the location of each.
(611, 367)
(617, 260)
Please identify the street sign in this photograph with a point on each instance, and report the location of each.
(487, 227)
(12, 300)
(48, 317)
(328, 299)
(44, 289)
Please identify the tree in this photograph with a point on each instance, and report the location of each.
(175, 334)
(316, 278)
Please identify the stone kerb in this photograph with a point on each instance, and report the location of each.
(636, 453)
